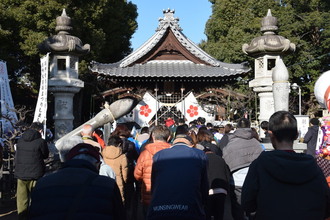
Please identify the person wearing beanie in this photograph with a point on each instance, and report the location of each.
(170, 123)
(77, 191)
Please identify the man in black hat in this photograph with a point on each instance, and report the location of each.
(76, 191)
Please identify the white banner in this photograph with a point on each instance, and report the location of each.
(7, 104)
(191, 110)
(143, 112)
(40, 114)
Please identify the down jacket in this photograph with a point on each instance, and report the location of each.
(114, 157)
(143, 168)
(31, 150)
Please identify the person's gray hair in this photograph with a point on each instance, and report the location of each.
(67, 145)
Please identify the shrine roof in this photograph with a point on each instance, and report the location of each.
(169, 53)
(168, 68)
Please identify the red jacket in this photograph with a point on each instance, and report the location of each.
(143, 168)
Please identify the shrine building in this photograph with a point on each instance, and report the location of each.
(170, 68)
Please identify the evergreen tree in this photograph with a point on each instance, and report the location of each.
(305, 23)
(107, 25)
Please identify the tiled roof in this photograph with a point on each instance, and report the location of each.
(172, 23)
(128, 67)
(168, 69)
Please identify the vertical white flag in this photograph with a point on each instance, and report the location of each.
(191, 110)
(40, 114)
(7, 104)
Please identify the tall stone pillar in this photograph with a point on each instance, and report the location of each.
(65, 50)
(281, 87)
(267, 51)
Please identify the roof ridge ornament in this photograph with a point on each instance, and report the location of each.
(168, 20)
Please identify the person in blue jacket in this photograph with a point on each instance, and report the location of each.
(179, 184)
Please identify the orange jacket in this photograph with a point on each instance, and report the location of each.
(99, 140)
(143, 168)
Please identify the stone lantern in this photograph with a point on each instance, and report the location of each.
(64, 50)
(268, 51)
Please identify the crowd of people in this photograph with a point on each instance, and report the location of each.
(178, 170)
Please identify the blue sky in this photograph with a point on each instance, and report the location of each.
(193, 15)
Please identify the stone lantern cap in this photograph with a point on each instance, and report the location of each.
(63, 42)
(269, 43)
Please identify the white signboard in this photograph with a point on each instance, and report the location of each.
(302, 124)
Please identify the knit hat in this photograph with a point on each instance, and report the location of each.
(169, 122)
(84, 148)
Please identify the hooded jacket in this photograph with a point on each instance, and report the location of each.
(143, 168)
(114, 157)
(241, 149)
(31, 150)
(285, 185)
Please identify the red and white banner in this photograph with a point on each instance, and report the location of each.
(7, 104)
(143, 112)
(191, 110)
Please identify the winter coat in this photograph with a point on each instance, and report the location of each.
(143, 168)
(114, 157)
(78, 185)
(311, 139)
(179, 184)
(224, 141)
(241, 149)
(286, 185)
(218, 172)
(31, 150)
(214, 148)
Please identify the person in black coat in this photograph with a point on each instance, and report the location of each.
(218, 177)
(225, 138)
(31, 150)
(77, 191)
(283, 184)
(311, 136)
(205, 138)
